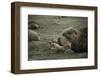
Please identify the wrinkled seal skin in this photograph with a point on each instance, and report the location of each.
(77, 38)
(80, 44)
(71, 33)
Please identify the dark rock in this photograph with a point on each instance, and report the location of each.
(33, 25)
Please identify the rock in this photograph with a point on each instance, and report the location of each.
(56, 48)
(33, 36)
(33, 25)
